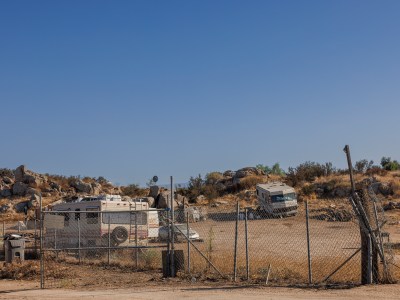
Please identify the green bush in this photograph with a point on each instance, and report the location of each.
(389, 165)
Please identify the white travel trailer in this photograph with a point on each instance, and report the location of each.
(277, 199)
(93, 222)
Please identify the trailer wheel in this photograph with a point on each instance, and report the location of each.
(119, 235)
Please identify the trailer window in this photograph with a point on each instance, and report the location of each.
(126, 217)
(92, 217)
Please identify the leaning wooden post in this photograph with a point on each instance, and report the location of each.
(236, 243)
(308, 246)
(366, 247)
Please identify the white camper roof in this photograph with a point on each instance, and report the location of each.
(276, 187)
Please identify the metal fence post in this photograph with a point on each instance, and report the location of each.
(79, 239)
(41, 243)
(172, 230)
(136, 242)
(188, 242)
(308, 245)
(35, 236)
(247, 245)
(236, 243)
(109, 240)
(55, 242)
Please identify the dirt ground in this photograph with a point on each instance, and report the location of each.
(10, 289)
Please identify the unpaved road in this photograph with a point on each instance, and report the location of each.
(29, 290)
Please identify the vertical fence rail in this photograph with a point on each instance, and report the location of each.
(308, 245)
(236, 243)
(41, 243)
(188, 243)
(109, 240)
(247, 245)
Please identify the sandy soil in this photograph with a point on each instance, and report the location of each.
(29, 290)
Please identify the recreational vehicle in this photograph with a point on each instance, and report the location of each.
(277, 199)
(93, 223)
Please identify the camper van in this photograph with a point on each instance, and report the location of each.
(92, 222)
(277, 199)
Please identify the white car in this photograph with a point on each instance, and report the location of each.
(180, 233)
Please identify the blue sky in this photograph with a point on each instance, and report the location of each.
(131, 89)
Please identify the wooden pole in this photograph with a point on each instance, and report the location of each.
(366, 255)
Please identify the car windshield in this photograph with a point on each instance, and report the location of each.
(283, 197)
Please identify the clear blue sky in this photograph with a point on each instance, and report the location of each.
(130, 89)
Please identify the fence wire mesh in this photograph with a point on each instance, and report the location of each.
(277, 246)
(117, 249)
(96, 247)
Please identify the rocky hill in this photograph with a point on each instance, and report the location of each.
(20, 188)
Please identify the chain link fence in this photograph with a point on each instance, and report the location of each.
(320, 244)
(275, 249)
(95, 247)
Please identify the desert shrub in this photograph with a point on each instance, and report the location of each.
(72, 179)
(275, 169)
(308, 190)
(250, 182)
(133, 190)
(376, 170)
(213, 178)
(210, 191)
(101, 180)
(195, 187)
(87, 179)
(6, 172)
(150, 258)
(390, 165)
(308, 171)
(363, 165)
(263, 168)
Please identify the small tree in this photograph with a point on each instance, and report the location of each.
(195, 187)
(389, 165)
(276, 170)
(266, 169)
(363, 165)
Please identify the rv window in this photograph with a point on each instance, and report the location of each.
(77, 215)
(283, 198)
(92, 217)
(257, 192)
(125, 217)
